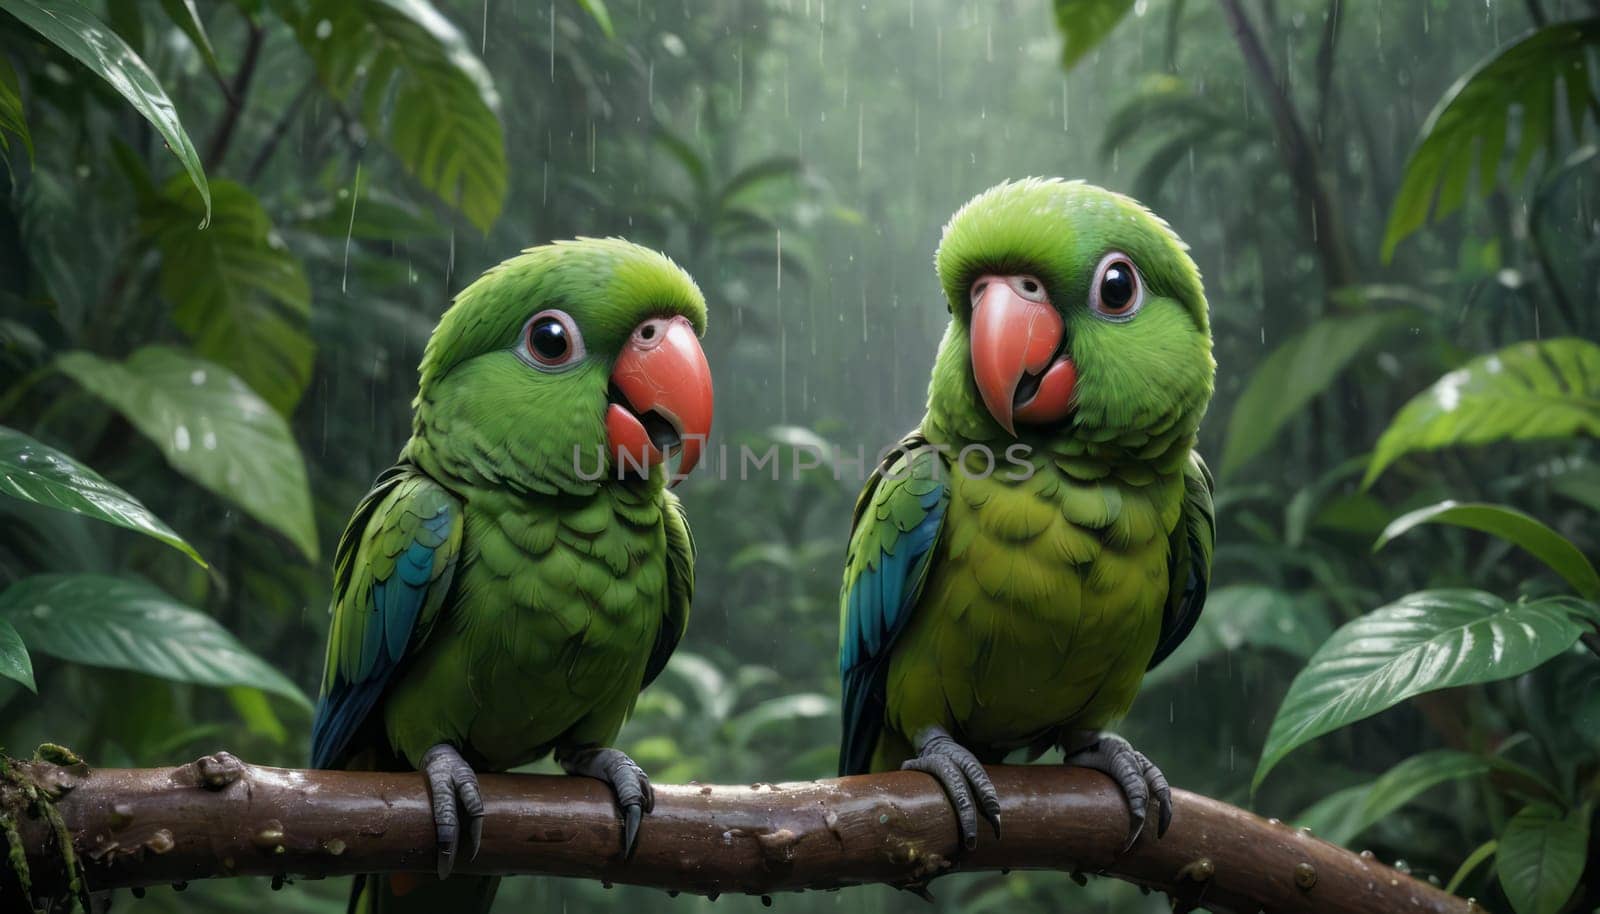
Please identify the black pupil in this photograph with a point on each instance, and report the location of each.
(549, 339)
(1116, 287)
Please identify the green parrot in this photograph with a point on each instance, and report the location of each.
(507, 588)
(1020, 560)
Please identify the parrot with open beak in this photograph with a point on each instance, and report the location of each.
(992, 604)
(507, 589)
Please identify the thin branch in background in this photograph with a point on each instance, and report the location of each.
(218, 147)
(280, 129)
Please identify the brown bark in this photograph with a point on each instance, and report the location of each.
(220, 818)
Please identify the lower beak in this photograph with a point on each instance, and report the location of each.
(1017, 361)
(661, 397)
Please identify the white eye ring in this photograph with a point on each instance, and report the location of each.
(1097, 305)
(1029, 287)
(545, 360)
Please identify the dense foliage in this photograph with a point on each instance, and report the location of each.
(228, 229)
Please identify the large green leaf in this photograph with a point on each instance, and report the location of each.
(74, 29)
(212, 428)
(416, 82)
(1541, 857)
(1429, 640)
(1292, 375)
(43, 475)
(1529, 390)
(1247, 615)
(236, 290)
(1342, 816)
(1086, 23)
(14, 662)
(12, 119)
(1514, 527)
(1470, 122)
(128, 624)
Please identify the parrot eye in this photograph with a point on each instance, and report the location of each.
(1118, 292)
(551, 341)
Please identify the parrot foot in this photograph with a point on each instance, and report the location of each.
(961, 775)
(453, 787)
(627, 780)
(1137, 777)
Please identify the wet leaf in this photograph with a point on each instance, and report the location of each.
(1513, 526)
(1541, 857)
(235, 281)
(12, 119)
(1086, 23)
(416, 82)
(43, 475)
(601, 16)
(75, 30)
(1526, 391)
(1295, 373)
(186, 16)
(14, 662)
(1429, 640)
(1469, 124)
(212, 428)
(128, 624)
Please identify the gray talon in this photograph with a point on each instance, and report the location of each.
(627, 780)
(1137, 777)
(453, 790)
(962, 776)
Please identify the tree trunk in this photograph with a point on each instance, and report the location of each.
(217, 817)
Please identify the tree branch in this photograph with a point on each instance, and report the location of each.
(240, 93)
(217, 817)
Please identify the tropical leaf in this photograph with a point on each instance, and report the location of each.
(75, 30)
(43, 475)
(1085, 23)
(416, 82)
(14, 662)
(186, 16)
(1513, 526)
(212, 428)
(1429, 640)
(128, 624)
(1526, 391)
(1368, 804)
(601, 16)
(1469, 124)
(1541, 857)
(1295, 373)
(236, 290)
(785, 709)
(1248, 615)
(12, 119)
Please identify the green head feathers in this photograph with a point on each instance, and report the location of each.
(507, 400)
(1137, 360)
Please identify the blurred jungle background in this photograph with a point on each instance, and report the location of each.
(228, 228)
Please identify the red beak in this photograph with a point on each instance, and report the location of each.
(665, 398)
(1015, 345)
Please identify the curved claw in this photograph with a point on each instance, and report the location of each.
(1137, 777)
(628, 782)
(453, 790)
(963, 778)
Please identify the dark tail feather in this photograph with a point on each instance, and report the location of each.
(420, 893)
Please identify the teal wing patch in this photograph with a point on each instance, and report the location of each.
(392, 572)
(680, 586)
(898, 518)
(1189, 563)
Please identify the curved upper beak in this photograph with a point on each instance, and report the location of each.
(661, 399)
(1018, 361)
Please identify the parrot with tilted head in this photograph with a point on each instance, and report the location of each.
(507, 588)
(1019, 561)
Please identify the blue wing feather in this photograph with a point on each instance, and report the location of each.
(385, 610)
(878, 604)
